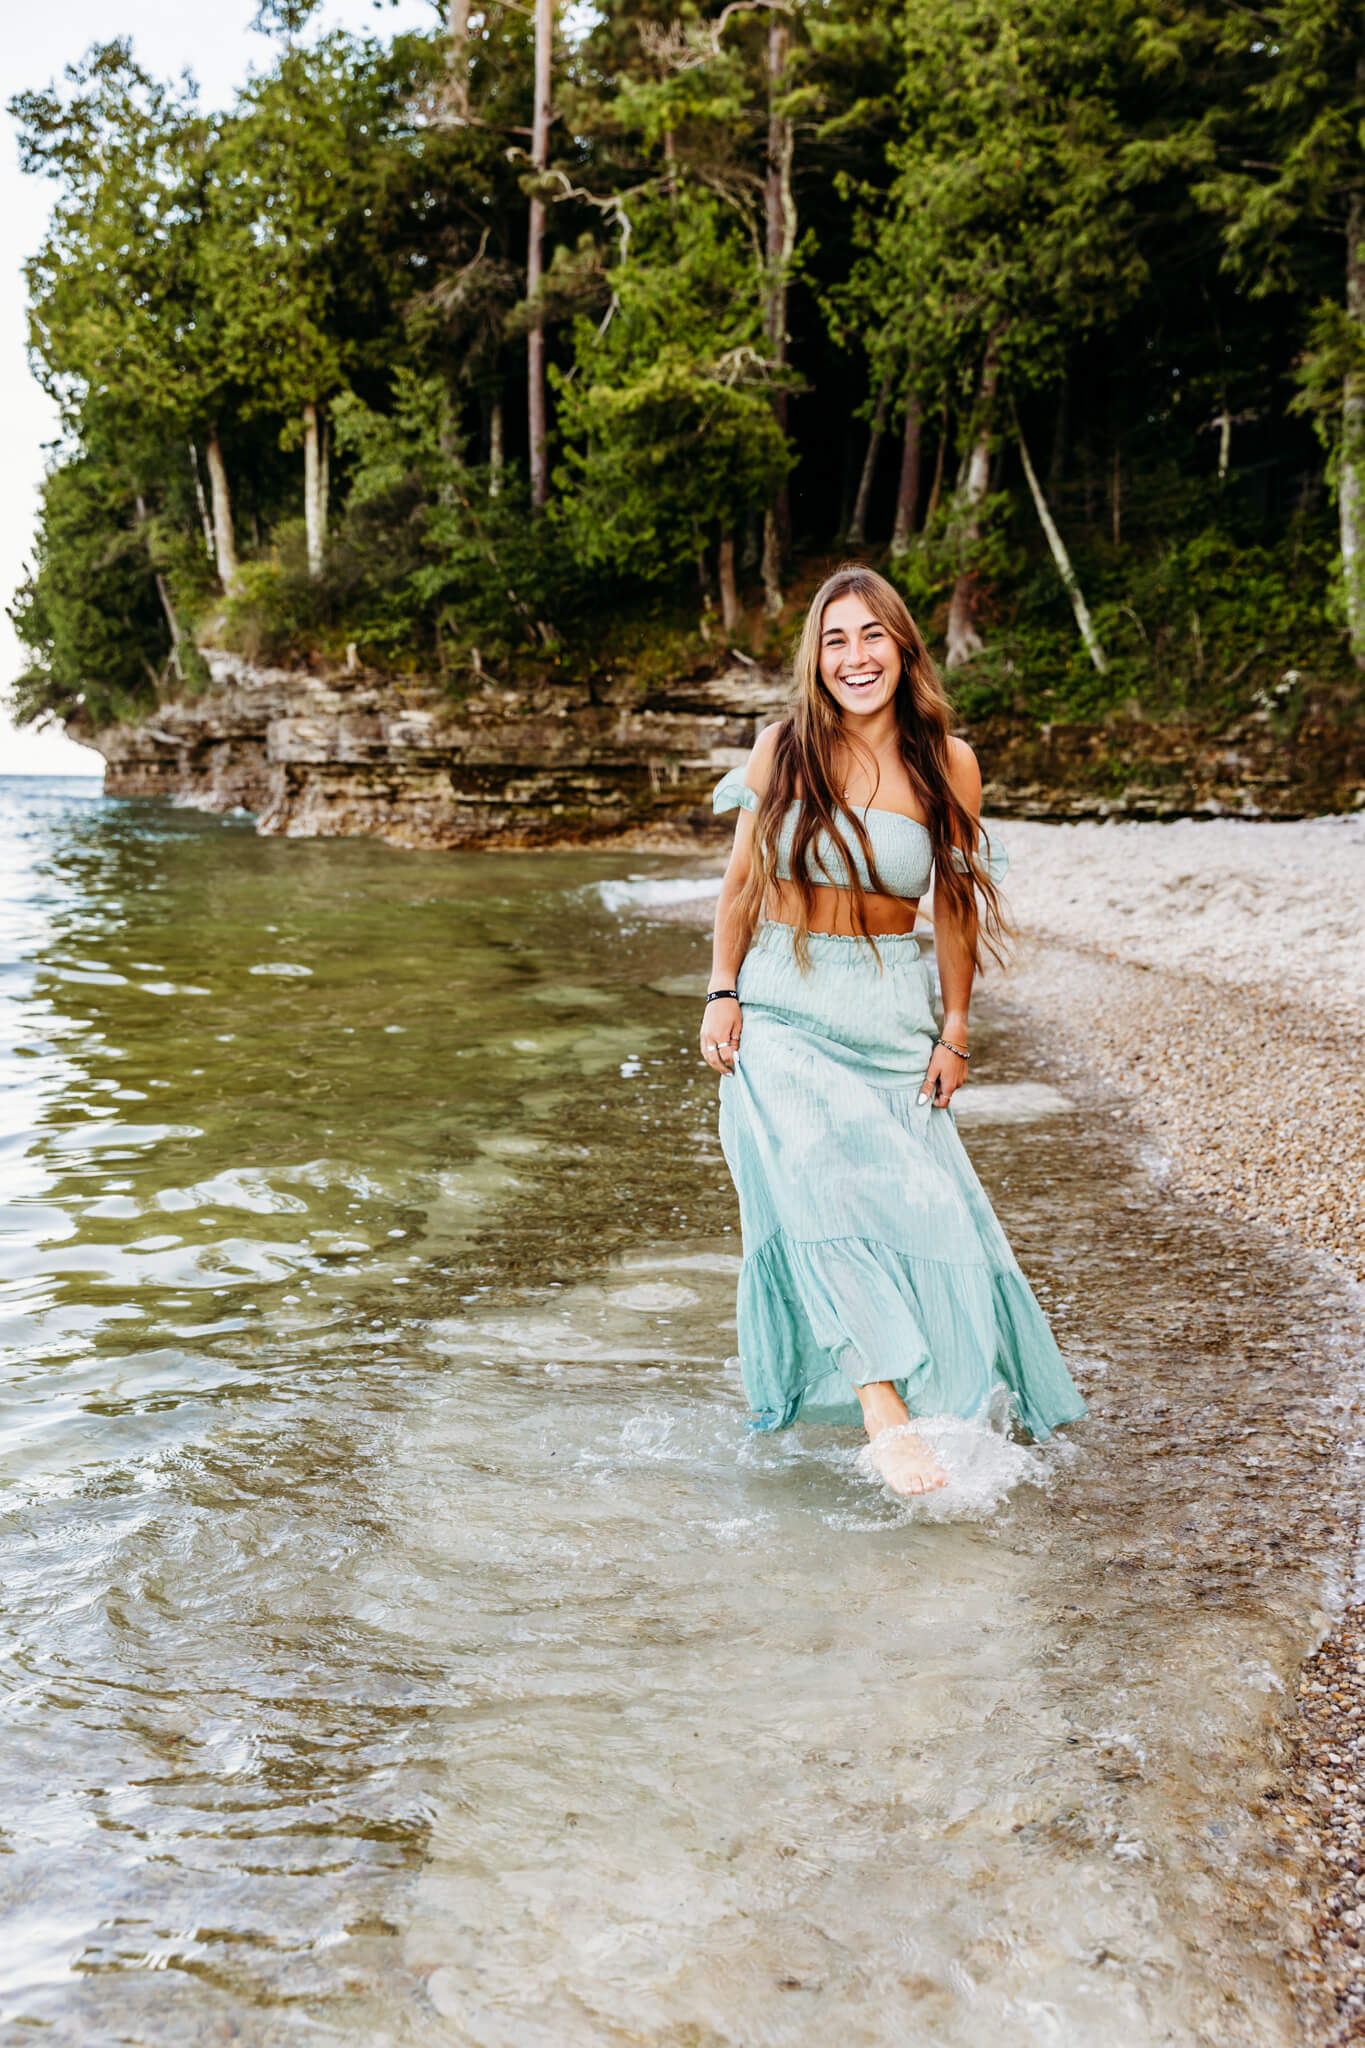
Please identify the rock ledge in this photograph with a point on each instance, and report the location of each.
(319, 754)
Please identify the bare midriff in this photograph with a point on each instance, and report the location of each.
(832, 911)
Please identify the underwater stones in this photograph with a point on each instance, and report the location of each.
(1330, 1696)
(1252, 1117)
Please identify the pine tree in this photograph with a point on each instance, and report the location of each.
(1301, 65)
(119, 310)
(1007, 230)
(302, 272)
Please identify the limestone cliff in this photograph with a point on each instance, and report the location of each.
(337, 754)
(332, 755)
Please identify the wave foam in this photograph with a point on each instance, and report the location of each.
(643, 893)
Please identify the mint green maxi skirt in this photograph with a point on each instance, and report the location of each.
(871, 1251)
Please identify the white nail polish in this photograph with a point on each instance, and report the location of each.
(921, 1100)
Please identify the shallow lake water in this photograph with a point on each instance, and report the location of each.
(404, 1641)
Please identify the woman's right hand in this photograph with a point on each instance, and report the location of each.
(721, 1025)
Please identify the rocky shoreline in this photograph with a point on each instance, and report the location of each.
(1136, 1028)
(326, 754)
(1241, 1059)
(322, 752)
(1211, 973)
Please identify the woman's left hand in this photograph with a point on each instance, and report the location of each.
(946, 1073)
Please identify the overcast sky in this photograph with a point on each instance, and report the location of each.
(215, 43)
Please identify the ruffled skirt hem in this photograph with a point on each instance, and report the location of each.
(950, 1339)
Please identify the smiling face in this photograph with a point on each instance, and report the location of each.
(860, 663)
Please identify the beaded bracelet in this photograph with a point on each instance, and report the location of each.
(717, 993)
(948, 1046)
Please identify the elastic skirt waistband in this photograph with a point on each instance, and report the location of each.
(844, 949)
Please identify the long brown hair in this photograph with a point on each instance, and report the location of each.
(803, 771)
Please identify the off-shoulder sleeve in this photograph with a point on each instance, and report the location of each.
(992, 855)
(732, 793)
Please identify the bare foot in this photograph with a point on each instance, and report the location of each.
(905, 1461)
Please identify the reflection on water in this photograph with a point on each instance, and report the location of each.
(404, 1640)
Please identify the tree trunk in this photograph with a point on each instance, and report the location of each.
(1064, 567)
(857, 526)
(907, 492)
(751, 554)
(458, 57)
(964, 640)
(1057, 466)
(172, 622)
(535, 249)
(1223, 422)
(201, 501)
(1116, 499)
(772, 564)
(1351, 489)
(936, 487)
(730, 614)
(314, 503)
(325, 477)
(224, 547)
(495, 447)
(779, 216)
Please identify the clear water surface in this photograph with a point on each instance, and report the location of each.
(403, 1640)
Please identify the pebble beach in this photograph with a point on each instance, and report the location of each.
(1212, 972)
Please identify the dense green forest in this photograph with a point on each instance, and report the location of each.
(574, 337)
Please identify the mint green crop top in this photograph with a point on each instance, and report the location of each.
(901, 846)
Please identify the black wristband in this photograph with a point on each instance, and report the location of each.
(716, 994)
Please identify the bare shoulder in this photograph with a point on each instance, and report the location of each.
(759, 769)
(964, 774)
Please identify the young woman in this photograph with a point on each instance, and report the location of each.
(876, 1277)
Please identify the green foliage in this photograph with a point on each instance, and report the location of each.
(383, 452)
(116, 312)
(1124, 226)
(285, 18)
(666, 414)
(1333, 359)
(1008, 226)
(1215, 614)
(428, 569)
(1207, 621)
(300, 265)
(89, 612)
